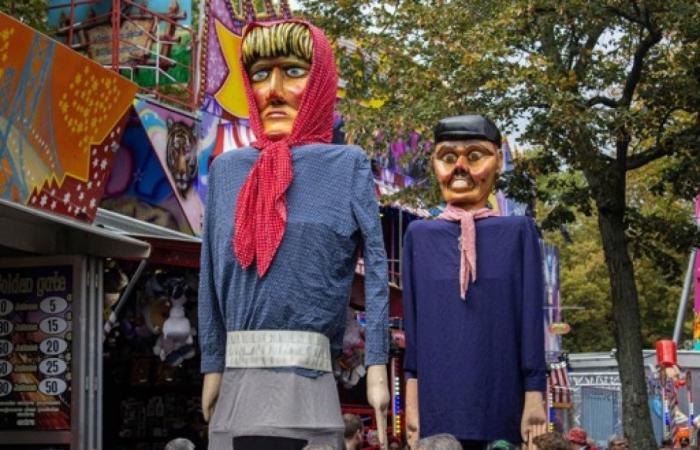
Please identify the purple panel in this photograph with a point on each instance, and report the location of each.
(215, 65)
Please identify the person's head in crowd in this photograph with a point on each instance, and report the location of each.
(578, 438)
(551, 441)
(684, 442)
(666, 444)
(439, 442)
(394, 443)
(501, 444)
(319, 447)
(618, 443)
(179, 444)
(353, 431)
(372, 438)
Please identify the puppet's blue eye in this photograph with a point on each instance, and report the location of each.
(296, 72)
(260, 75)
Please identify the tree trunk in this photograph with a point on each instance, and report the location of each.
(636, 419)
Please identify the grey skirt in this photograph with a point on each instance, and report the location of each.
(260, 402)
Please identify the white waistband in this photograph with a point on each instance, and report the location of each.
(278, 348)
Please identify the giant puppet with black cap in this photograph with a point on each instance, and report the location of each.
(284, 221)
(473, 294)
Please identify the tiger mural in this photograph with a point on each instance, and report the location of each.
(181, 154)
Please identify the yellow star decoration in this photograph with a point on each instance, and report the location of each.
(231, 95)
(85, 106)
(5, 36)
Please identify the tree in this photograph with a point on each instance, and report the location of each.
(605, 88)
(584, 278)
(32, 12)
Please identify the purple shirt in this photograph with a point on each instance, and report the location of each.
(474, 359)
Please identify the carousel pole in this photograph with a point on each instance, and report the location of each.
(71, 23)
(666, 357)
(691, 408)
(116, 32)
(678, 328)
(696, 279)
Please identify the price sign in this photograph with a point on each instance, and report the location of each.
(35, 347)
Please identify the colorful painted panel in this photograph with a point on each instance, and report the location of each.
(697, 257)
(173, 136)
(222, 99)
(552, 311)
(156, 38)
(138, 186)
(696, 280)
(59, 123)
(508, 206)
(222, 25)
(224, 107)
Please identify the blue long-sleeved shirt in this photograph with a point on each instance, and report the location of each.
(474, 359)
(332, 210)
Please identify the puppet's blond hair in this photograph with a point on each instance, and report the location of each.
(282, 39)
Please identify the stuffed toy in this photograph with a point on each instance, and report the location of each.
(175, 343)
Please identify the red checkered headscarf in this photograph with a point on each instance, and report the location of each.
(261, 211)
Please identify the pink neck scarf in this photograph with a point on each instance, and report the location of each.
(467, 241)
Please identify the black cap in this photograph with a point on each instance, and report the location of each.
(474, 126)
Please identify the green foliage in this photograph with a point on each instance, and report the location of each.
(605, 87)
(34, 13)
(659, 269)
(565, 67)
(585, 283)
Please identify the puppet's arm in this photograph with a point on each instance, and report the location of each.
(212, 329)
(378, 398)
(412, 417)
(366, 212)
(410, 360)
(210, 393)
(534, 419)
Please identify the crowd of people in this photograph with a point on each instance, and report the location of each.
(576, 439)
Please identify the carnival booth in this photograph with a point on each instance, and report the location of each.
(153, 384)
(60, 125)
(51, 288)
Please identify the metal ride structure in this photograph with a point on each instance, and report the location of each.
(130, 37)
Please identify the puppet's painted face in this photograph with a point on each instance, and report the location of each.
(466, 171)
(278, 85)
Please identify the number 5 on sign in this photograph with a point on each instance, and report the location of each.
(53, 305)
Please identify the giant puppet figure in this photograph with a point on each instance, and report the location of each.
(474, 346)
(283, 224)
